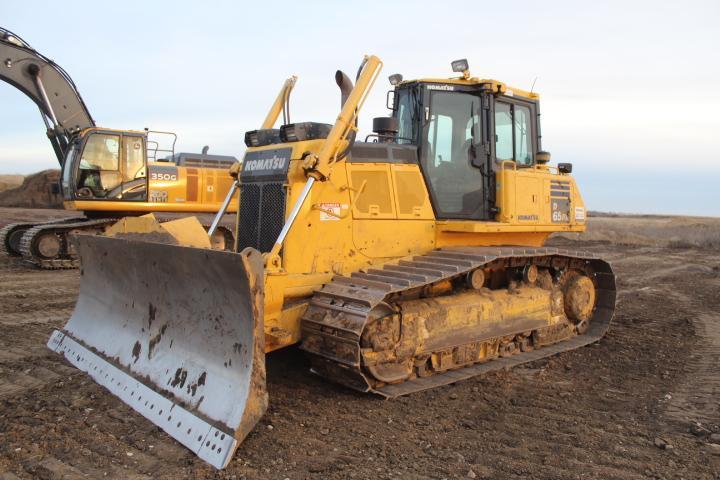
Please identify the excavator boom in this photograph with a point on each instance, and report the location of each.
(48, 85)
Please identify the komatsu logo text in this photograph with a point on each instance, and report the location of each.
(447, 88)
(274, 163)
(265, 165)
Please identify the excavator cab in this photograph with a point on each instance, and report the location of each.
(105, 170)
(106, 165)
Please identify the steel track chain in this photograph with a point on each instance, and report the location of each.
(340, 310)
(5, 249)
(27, 243)
(70, 261)
(8, 229)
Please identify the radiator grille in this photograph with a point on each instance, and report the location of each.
(262, 215)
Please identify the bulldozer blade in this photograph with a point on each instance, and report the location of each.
(177, 334)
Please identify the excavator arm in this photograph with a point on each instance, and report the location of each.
(48, 85)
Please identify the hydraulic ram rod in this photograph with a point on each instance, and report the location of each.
(41, 88)
(293, 215)
(223, 208)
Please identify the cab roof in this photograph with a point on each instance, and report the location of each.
(496, 85)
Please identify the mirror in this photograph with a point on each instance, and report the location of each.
(390, 100)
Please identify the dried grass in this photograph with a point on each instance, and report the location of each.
(652, 230)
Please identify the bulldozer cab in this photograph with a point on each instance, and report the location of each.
(106, 165)
(464, 133)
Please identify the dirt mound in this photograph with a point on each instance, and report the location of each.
(10, 181)
(35, 192)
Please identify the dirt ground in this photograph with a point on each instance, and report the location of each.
(641, 403)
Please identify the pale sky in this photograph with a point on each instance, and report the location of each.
(630, 91)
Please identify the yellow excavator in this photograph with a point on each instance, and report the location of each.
(408, 261)
(106, 174)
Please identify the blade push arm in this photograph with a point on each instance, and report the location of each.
(281, 104)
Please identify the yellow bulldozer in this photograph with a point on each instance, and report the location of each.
(106, 174)
(407, 261)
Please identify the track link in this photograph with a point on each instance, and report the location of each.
(340, 311)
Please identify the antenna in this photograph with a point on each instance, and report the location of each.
(533, 85)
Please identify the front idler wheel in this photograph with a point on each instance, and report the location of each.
(579, 298)
(48, 245)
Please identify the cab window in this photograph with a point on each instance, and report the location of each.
(406, 117)
(134, 158)
(101, 152)
(523, 140)
(99, 168)
(513, 133)
(440, 138)
(67, 169)
(133, 170)
(503, 132)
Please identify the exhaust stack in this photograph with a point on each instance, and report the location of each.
(345, 84)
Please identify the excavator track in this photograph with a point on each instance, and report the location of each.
(63, 258)
(11, 235)
(341, 311)
(8, 235)
(66, 259)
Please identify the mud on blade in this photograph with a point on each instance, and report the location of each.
(176, 333)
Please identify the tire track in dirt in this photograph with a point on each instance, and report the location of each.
(697, 399)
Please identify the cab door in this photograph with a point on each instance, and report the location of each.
(453, 153)
(134, 169)
(520, 186)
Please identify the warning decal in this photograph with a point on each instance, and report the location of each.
(329, 212)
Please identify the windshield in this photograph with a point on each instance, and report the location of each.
(99, 166)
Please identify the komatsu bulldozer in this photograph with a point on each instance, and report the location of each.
(106, 174)
(407, 261)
